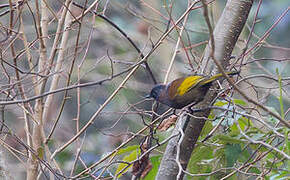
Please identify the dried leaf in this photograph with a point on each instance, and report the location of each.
(167, 123)
(146, 170)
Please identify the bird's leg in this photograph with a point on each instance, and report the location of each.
(193, 110)
(190, 111)
(199, 109)
(174, 112)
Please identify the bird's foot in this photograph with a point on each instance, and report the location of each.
(195, 110)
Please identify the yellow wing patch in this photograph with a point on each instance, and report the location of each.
(188, 83)
(211, 79)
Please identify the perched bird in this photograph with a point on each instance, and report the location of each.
(184, 91)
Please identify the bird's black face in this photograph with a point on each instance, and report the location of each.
(156, 91)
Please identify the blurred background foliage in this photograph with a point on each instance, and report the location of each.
(119, 119)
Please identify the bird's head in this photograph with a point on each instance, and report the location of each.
(157, 91)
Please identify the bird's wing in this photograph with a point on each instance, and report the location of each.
(173, 87)
(188, 83)
(182, 85)
(215, 77)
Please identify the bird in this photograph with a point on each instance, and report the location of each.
(185, 90)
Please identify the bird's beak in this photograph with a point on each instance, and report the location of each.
(148, 96)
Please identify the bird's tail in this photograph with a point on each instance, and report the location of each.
(215, 77)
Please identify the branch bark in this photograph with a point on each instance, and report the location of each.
(225, 35)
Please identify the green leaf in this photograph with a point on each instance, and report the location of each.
(211, 116)
(128, 149)
(64, 156)
(234, 130)
(220, 103)
(155, 161)
(197, 162)
(271, 118)
(280, 98)
(283, 175)
(206, 129)
(123, 167)
(240, 102)
(40, 152)
(225, 139)
(232, 152)
(245, 154)
(254, 170)
(244, 122)
(280, 176)
(219, 153)
(287, 143)
(256, 136)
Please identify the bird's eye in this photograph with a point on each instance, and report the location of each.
(156, 91)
